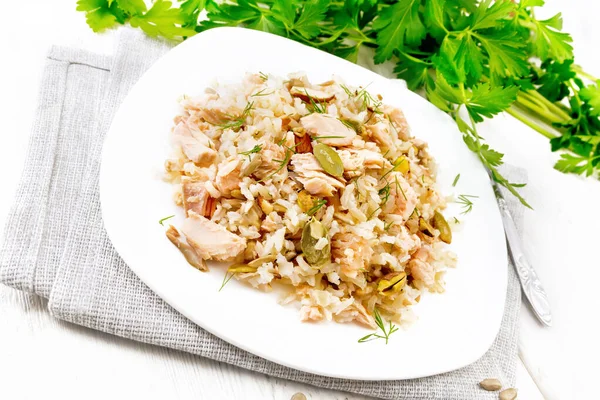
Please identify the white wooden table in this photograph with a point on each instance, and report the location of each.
(41, 356)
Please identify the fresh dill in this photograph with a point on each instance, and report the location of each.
(226, 279)
(164, 219)
(318, 107)
(253, 150)
(387, 227)
(283, 163)
(386, 330)
(263, 76)
(348, 91)
(261, 93)
(456, 180)
(384, 193)
(317, 138)
(348, 123)
(395, 165)
(467, 204)
(237, 122)
(367, 101)
(399, 187)
(456, 221)
(319, 203)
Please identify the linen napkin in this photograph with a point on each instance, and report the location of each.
(55, 244)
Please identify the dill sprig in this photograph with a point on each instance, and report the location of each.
(164, 219)
(261, 93)
(282, 163)
(386, 330)
(395, 165)
(467, 204)
(263, 76)
(253, 150)
(456, 180)
(399, 187)
(318, 204)
(317, 138)
(318, 107)
(348, 91)
(384, 193)
(367, 101)
(237, 122)
(226, 279)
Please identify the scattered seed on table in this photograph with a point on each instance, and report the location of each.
(490, 384)
(298, 396)
(508, 394)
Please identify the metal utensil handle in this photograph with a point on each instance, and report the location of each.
(532, 287)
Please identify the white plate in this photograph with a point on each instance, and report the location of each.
(454, 329)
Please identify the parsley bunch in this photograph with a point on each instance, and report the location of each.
(471, 58)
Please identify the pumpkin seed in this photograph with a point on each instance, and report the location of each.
(298, 396)
(491, 385)
(425, 227)
(241, 269)
(440, 223)
(306, 200)
(260, 261)
(312, 232)
(508, 394)
(392, 282)
(328, 159)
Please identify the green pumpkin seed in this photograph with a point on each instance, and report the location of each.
(312, 232)
(328, 159)
(440, 223)
(391, 282)
(241, 269)
(425, 227)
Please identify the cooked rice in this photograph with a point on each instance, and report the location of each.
(371, 213)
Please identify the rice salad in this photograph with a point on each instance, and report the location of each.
(317, 188)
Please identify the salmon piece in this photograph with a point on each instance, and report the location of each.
(353, 163)
(188, 252)
(380, 133)
(326, 125)
(192, 147)
(196, 197)
(270, 153)
(352, 252)
(403, 199)
(397, 118)
(371, 159)
(210, 240)
(308, 171)
(229, 176)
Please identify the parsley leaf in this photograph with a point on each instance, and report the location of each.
(488, 101)
(131, 7)
(591, 95)
(396, 25)
(162, 20)
(100, 14)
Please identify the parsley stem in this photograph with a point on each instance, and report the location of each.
(581, 72)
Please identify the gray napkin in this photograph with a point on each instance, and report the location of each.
(55, 244)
